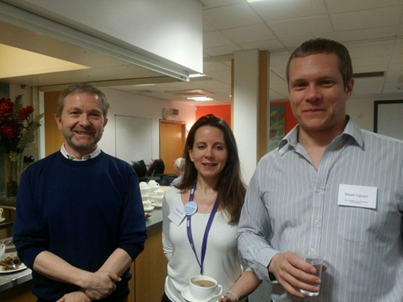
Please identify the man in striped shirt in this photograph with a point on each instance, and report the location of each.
(330, 187)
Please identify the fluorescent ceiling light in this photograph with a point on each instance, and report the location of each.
(143, 85)
(196, 75)
(15, 62)
(255, 0)
(201, 98)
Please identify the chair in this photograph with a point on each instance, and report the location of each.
(140, 168)
(167, 179)
(156, 168)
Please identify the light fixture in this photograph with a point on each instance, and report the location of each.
(201, 98)
(196, 75)
(144, 85)
(255, 0)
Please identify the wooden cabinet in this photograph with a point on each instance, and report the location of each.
(20, 293)
(149, 270)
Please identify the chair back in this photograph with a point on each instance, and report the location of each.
(157, 167)
(140, 168)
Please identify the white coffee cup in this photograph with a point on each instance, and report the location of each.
(143, 184)
(159, 193)
(204, 287)
(157, 201)
(145, 194)
(152, 183)
(146, 191)
(147, 204)
(1, 213)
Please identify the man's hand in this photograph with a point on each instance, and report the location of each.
(100, 284)
(77, 296)
(293, 273)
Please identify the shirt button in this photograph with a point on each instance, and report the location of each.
(318, 190)
(316, 222)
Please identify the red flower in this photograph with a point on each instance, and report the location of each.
(6, 108)
(9, 130)
(25, 112)
(17, 125)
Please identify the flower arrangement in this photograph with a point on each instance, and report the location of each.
(17, 130)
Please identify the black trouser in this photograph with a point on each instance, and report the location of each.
(165, 298)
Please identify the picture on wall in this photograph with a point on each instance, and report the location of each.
(388, 118)
(277, 125)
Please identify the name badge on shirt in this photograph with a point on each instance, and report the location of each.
(177, 216)
(357, 196)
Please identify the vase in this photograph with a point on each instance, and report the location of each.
(13, 165)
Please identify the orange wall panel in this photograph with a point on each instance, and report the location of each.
(223, 111)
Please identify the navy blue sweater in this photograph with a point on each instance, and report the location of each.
(80, 211)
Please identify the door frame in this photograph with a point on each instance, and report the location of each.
(183, 132)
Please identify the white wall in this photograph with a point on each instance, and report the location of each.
(123, 103)
(245, 108)
(362, 109)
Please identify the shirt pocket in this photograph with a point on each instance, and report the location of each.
(361, 224)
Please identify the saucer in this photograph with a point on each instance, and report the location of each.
(149, 209)
(157, 205)
(188, 296)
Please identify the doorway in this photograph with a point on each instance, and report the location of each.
(172, 142)
(53, 136)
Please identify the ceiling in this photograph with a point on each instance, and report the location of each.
(372, 30)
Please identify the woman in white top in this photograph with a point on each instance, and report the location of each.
(213, 185)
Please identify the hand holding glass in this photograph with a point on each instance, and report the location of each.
(316, 261)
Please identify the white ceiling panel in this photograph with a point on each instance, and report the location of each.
(371, 49)
(214, 39)
(231, 16)
(218, 3)
(398, 47)
(357, 5)
(293, 42)
(280, 10)
(314, 25)
(372, 18)
(263, 45)
(366, 34)
(249, 34)
(223, 50)
(207, 27)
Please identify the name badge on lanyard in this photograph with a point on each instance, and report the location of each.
(190, 209)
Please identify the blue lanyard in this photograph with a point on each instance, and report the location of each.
(206, 232)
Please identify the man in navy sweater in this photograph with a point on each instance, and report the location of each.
(80, 221)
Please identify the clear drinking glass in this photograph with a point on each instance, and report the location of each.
(315, 259)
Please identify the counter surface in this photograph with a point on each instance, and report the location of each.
(9, 280)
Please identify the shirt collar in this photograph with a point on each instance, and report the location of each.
(92, 155)
(351, 129)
